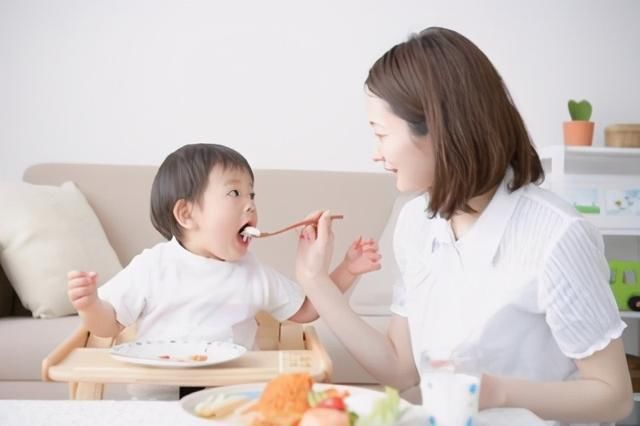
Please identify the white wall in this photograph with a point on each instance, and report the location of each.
(118, 81)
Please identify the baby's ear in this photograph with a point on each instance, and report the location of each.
(182, 213)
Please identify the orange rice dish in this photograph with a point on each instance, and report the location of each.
(284, 400)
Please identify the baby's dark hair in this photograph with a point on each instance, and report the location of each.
(184, 175)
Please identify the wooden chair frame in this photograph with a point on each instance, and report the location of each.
(273, 338)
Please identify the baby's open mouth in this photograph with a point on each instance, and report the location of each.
(245, 238)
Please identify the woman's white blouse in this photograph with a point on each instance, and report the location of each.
(524, 293)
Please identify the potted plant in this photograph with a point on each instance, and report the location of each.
(578, 131)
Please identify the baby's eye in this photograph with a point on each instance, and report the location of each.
(253, 195)
(233, 193)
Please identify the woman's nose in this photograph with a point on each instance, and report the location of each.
(376, 154)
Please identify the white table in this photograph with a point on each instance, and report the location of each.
(160, 413)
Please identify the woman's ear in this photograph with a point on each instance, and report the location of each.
(182, 213)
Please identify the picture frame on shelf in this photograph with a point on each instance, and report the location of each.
(585, 199)
(615, 209)
(602, 183)
(622, 201)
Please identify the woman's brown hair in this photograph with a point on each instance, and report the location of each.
(443, 85)
(184, 175)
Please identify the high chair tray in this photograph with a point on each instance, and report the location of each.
(97, 365)
(85, 362)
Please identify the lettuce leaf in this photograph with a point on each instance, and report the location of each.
(385, 412)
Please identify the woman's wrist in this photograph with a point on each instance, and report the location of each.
(492, 392)
(313, 284)
(312, 280)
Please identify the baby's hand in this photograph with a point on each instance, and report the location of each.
(362, 257)
(81, 289)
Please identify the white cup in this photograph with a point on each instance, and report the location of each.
(449, 398)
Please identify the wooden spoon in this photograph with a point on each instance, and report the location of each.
(252, 232)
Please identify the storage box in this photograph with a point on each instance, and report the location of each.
(622, 135)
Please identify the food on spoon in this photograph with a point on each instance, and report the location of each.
(250, 231)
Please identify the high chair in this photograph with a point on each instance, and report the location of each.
(83, 360)
(119, 196)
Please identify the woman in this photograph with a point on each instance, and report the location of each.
(493, 269)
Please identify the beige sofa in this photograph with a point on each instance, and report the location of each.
(119, 195)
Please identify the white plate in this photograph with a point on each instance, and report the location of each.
(179, 352)
(360, 401)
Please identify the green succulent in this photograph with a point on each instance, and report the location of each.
(580, 111)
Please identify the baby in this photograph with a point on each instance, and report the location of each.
(203, 283)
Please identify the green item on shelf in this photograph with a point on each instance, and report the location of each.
(625, 284)
(587, 209)
(580, 111)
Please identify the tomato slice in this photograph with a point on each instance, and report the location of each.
(335, 403)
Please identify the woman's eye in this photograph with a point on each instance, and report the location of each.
(234, 193)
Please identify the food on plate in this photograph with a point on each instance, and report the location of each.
(218, 406)
(199, 357)
(327, 408)
(290, 400)
(284, 400)
(385, 410)
(187, 358)
(324, 417)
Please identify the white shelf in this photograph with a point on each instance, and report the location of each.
(560, 160)
(600, 152)
(630, 314)
(631, 232)
(623, 225)
(603, 168)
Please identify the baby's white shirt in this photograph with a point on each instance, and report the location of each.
(171, 293)
(524, 293)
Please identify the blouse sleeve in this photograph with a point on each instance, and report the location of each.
(575, 294)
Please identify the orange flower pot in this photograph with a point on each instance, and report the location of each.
(578, 133)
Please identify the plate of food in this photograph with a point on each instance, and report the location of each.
(294, 399)
(177, 353)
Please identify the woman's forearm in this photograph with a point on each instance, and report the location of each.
(601, 393)
(372, 349)
(100, 319)
(582, 400)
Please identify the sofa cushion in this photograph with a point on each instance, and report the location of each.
(47, 231)
(27, 341)
(6, 295)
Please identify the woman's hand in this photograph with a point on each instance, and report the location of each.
(315, 248)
